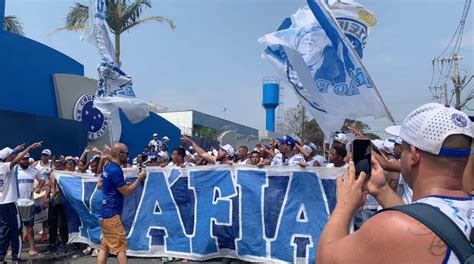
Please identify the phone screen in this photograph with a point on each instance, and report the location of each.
(361, 155)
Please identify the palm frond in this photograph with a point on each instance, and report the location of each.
(13, 25)
(77, 17)
(133, 11)
(150, 19)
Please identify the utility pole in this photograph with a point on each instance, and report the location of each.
(446, 94)
(457, 81)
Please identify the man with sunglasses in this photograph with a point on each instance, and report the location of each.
(114, 188)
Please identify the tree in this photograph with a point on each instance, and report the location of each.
(121, 16)
(13, 25)
(296, 122)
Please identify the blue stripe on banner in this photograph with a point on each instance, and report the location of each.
(262, 215)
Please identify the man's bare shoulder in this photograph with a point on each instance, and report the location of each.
(395, 237)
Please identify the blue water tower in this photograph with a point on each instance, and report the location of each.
(271, 99)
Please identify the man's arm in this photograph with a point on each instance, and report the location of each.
(389, 237)
(201, 152)
(127, 190)
(20, 155)
(388, 165)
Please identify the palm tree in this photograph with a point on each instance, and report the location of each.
(121, 15)
(12, 24)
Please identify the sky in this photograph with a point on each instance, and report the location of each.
(212, 61)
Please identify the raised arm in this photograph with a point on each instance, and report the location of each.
(20, 155)
(201, 152)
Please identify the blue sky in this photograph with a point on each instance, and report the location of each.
(213, 59)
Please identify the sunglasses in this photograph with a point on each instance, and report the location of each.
(71, 161)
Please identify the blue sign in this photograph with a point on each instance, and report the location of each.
(270, 214)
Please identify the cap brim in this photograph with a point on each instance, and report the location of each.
(393, 130)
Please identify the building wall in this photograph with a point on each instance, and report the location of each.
(183, 120)
(61, 136)
(26, 78)
(221, 125)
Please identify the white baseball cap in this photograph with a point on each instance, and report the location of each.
(5, 152)
(389, 145)
(155, 134)
(229, 149)
(342, 138)
(46, 152)
(165, 138)
(313, 146)
(308, 149)
(393, 130)
(378, 143)
(27, 156)
(429, 125)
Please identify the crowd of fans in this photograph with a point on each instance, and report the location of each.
(35, 175)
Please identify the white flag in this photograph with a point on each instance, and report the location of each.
(318, 53)
(115, 89)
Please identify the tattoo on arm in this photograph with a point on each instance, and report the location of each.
(437, 246)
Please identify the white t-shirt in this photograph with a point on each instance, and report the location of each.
(26, 179)
(45, 171)
(8, 184)
(242, 161)
(320, 159)
(404, 191)
(331, 165)
(296, 159)
(459, 210)
(279, 160)
(186, 164)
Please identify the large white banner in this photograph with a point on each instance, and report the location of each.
(318, 50)
(115, 88)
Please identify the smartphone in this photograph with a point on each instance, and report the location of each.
(361, 156)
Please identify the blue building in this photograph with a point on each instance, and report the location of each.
(42, 89)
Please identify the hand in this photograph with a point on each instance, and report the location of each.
(20, 147)
(141, 176)
(229, 162)
(38, 190)
(107, 147)
(349, 193)
(303, 164)
(261, 164)
(88, 149)
(105, 154)
(35, 145)
(377, 181)
(187, 140)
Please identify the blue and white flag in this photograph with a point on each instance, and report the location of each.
(115, 88)
(319, 53)
(269, 215)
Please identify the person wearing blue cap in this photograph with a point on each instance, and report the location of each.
(287, 155)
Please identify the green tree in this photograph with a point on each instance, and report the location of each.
(12, 24)
(121, 16)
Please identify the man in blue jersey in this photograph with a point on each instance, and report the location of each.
(114, 188)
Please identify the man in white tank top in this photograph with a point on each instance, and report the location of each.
(437, 143)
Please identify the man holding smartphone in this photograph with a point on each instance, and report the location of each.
(436, 142)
